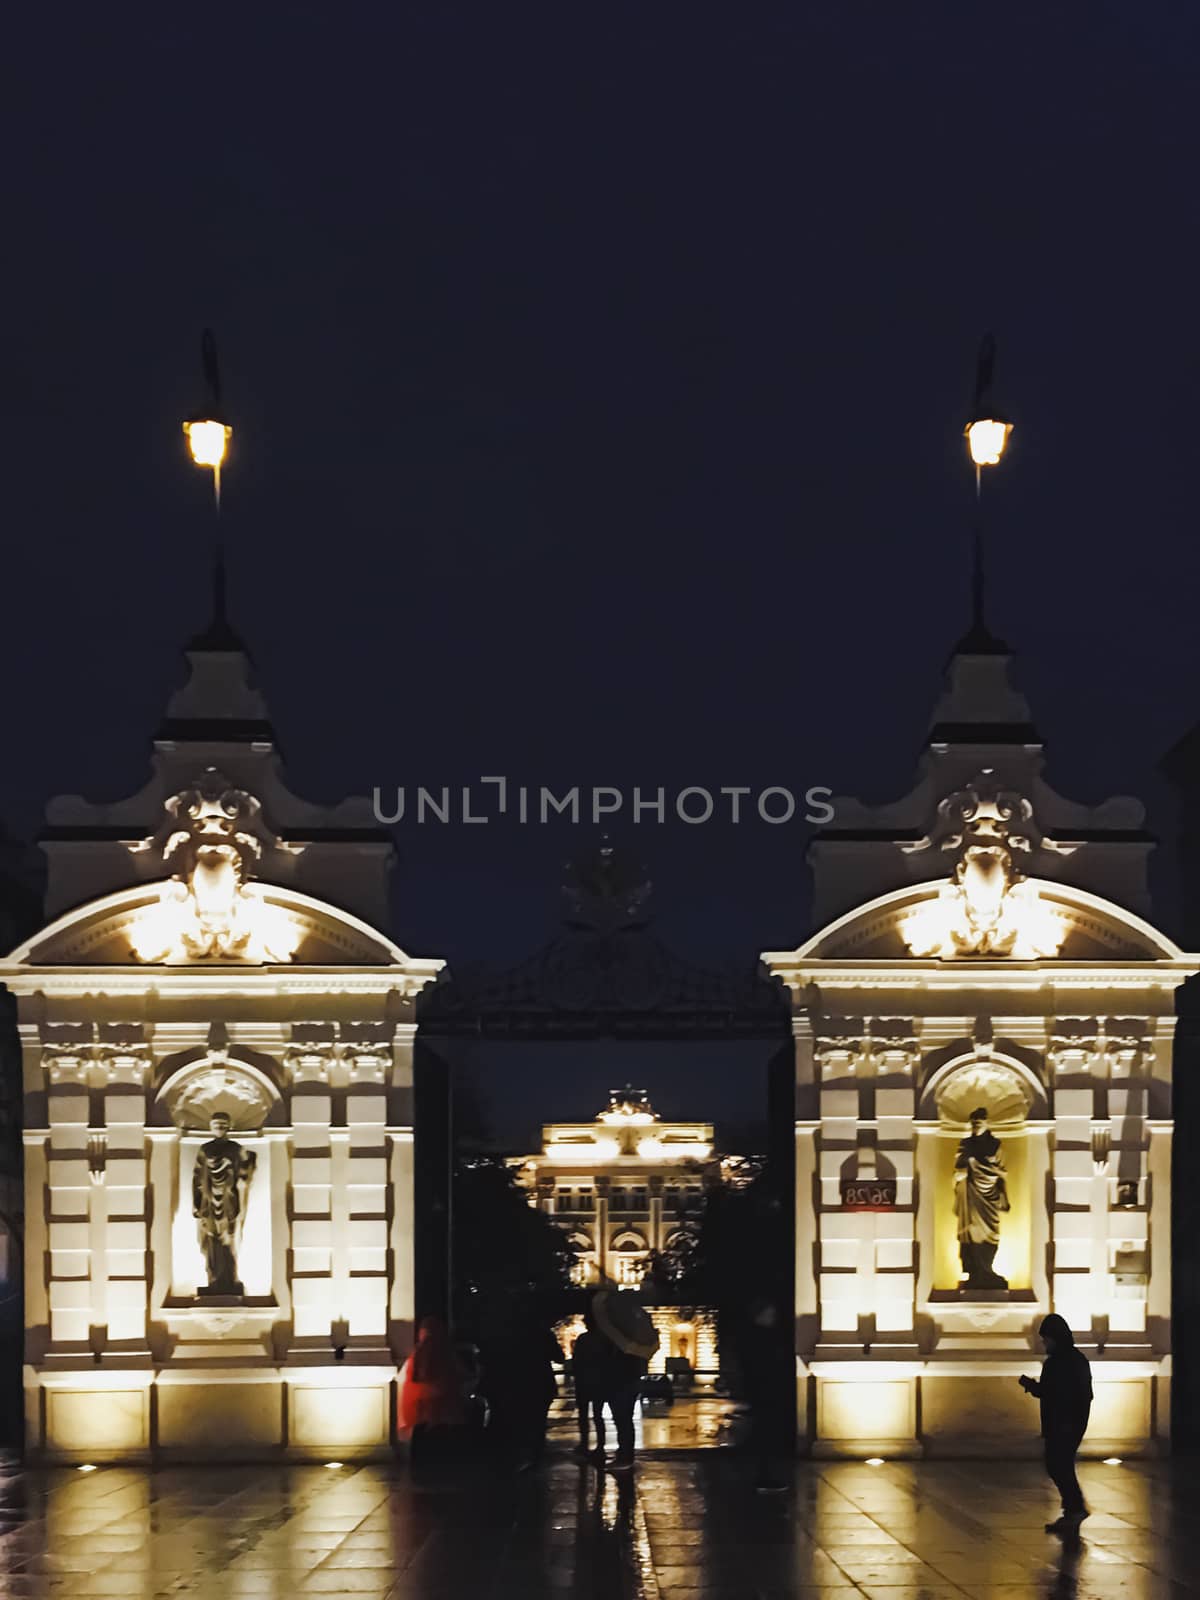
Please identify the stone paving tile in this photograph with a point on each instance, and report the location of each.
(917, 1591)
(687, 1526)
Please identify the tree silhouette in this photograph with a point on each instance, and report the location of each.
(503, 1246)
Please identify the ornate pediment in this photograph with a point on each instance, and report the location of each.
(989, 907)
(215, 838)
(932, 920)
(101, 933)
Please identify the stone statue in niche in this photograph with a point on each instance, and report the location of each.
(221, 1182)
(980, 1199)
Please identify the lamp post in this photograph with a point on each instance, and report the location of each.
(987, 439)
(987, 432)
(208, 434)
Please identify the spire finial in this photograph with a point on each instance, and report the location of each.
(219, 634)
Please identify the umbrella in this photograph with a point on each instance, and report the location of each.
(623, 1320)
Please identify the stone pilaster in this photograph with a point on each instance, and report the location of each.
(1126, 1189)
(309, 1060)
(894, 1053)
(657, 1231)
(71, 1253)
(602, 1252)
(361, 1191)
(1076, 1063)
(402, 1178)
(846, 1239)
(120, 1181)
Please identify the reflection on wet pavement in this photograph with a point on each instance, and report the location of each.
(681, 1526)
(694, 1422)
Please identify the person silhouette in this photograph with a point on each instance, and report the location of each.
(1064, 1391)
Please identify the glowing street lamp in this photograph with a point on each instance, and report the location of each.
(986, 439)
(208, 434)
(987, 432)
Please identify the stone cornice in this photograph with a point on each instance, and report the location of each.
(943, 976)
(216, 978)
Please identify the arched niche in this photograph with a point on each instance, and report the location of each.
(1012, 1097)
(629, 1242)
(678, 1237)
(1008, 1090)
(195, 1087)
(208, 1081)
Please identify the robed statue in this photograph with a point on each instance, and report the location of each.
(980, 1198)
(220, 1183)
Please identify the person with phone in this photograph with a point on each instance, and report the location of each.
(1064, 1393)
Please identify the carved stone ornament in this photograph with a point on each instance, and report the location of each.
(214, 838)
(989, 907)
(1001, 1092)
(219, 1085)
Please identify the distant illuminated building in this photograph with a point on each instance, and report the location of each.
(625, 1187)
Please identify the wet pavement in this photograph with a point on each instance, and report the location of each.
(680, 1527)
(693, 1422)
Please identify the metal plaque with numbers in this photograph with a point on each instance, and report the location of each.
(868, 1194)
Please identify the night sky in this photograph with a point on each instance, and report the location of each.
(598, 378)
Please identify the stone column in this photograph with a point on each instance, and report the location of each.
(602, 1188)
(656, 1229)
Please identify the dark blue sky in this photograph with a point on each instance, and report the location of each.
(598, 380)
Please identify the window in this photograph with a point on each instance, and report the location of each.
(630, 1270)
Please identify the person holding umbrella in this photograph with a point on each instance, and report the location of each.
(628, 1340)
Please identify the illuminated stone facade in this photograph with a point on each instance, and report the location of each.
(623, 1187)
(197, 965)
(984, 950)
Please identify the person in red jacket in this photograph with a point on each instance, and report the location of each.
(431, 1395)
(1064, 1392)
